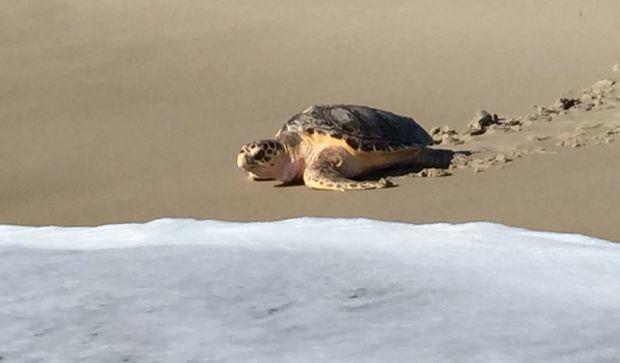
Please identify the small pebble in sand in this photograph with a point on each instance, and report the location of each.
(596, 95)
(513, 122)
(565, 103)
(501, 158)
(480, 164)
(460, 161)
(431, 173)
(481, 121)
(486, 162)
(445, 135)
(616, 68)
(509, 124)
(614, 131)
(451, 139)
(436, 135)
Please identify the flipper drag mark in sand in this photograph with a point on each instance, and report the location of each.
(575, 120)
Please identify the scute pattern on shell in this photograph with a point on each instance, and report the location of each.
(363, 128)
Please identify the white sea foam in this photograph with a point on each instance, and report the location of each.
(306, 289)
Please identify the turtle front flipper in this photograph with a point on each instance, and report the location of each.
(323, 174)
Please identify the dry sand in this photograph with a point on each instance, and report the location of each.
(117, 111)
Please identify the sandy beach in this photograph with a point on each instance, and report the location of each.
(120, 111)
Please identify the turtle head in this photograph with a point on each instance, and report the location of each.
(264, 159)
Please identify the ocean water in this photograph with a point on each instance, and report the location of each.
(306, 290)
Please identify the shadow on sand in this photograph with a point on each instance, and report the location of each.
(432, 158)
(429, 158)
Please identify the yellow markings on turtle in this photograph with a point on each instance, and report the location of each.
(327, 140)
(366, 160)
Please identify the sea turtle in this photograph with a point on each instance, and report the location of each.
(328, 145)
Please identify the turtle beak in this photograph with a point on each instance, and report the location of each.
(244, 160)
(241, 160)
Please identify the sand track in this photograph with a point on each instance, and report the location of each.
(576, 120)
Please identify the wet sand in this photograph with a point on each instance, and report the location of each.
(116, 112)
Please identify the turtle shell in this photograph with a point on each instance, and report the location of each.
(363, 128)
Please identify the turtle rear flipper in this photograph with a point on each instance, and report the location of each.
(323, 174)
